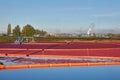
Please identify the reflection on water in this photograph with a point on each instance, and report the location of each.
(64, 73)
(43, 60)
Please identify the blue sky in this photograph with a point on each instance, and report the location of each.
(61, 15)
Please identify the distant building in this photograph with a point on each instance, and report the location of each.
(65, 34)
(40, 35)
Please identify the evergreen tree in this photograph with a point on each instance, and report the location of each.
(16, 31)
(9, 29)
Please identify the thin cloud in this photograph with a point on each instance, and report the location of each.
(104, 31)
(82, 8)
(106, 15)
(75, 9)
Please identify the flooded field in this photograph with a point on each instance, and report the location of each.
(103, 49)
(44, 60)
(32, 55)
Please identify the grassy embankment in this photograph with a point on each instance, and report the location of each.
(75, 39)
(7, 39)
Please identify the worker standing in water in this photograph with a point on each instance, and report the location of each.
(19, 40)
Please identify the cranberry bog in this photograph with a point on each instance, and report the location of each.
(31, 55)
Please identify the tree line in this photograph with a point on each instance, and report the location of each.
(27, 31)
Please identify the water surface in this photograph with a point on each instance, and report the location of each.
(64, 73)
